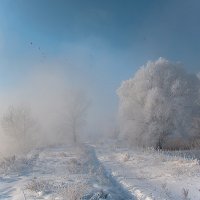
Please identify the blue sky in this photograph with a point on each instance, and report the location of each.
(95, 43)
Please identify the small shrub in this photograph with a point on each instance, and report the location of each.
(39, 186)
(7, 163)
(126, 157)
(164, 186)
(74, 166)
(185, 193)
(63, 155)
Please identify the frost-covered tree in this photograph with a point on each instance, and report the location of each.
(18, 124)
(158, 106)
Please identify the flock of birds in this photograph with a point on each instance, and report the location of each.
(42, 53)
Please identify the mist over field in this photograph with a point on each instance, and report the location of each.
(158, 108)
(49, 102)
(99, 100)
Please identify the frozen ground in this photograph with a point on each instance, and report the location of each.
(58, 173)
(148, 174)
(68, 173)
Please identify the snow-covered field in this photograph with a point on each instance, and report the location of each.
(101, 172)
(149, 174)
(58, 173)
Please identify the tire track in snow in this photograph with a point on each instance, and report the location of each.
(123, 181)
(116, 189)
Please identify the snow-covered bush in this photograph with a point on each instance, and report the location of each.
(39, 186)
(6, 164)
(126, 157)
(18, 164)
(74, 166)
(159, 105)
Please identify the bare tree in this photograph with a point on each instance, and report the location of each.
(76, 111)
(18, 124)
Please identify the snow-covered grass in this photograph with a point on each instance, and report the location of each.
(150, 174)
(58, 173)
(65, 191)
(70, 173)
(49, 176)
(17, 164)
(74, 191)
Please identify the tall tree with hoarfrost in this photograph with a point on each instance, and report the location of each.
(158, 106)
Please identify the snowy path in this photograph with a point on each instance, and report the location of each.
(57, 173)
(151, 175)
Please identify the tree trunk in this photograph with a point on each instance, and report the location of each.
(159, 144)
(74, 135)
